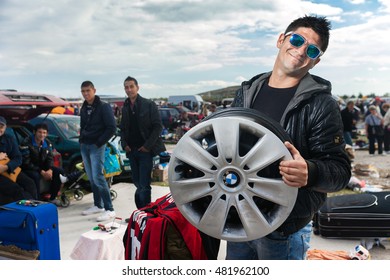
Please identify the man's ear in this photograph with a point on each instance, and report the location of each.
(280, 40)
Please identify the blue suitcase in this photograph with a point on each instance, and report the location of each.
(31, 226)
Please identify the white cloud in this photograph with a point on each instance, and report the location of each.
(170, 46)
(356, 2)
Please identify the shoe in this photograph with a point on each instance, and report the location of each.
(92, 210)
(106, 216)
(63, 179)
(56, 202)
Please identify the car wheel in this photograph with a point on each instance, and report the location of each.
(224, 175)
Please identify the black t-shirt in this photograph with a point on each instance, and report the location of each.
(273, 101)
(135, 138)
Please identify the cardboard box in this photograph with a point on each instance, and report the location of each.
(160, 175)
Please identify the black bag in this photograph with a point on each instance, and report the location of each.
(376, 130)
(355, 215)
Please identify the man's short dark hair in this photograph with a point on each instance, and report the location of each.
(320, 25)
(87, 84)
(41, 126)
(129, 78)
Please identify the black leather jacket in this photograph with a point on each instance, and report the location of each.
(36, 159)
(149, 123)
(313, 121)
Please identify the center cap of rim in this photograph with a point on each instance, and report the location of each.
(231, 179)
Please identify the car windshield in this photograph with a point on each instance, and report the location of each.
(70, 127)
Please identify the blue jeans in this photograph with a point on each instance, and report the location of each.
(274, 246)
(348, 137)
(141, 169)
(93, 159)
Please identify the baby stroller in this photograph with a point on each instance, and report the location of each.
(79, 179)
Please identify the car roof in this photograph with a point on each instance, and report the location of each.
(18, 107)
(58, 116)
(167, 108)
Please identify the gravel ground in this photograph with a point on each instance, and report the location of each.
(374, 170)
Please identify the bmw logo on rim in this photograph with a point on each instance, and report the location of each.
(231, 179)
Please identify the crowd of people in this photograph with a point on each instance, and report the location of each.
(375, 118)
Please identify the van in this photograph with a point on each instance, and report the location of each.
(192, 102)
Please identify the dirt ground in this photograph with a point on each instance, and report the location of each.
(374, 170)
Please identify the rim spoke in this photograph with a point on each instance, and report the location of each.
(215, 216)
(252, 219)
(227, 136)
(265, 152)
(272, 190)
(193, 154)
(192, 189)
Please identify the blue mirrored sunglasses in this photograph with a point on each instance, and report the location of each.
(312, 51)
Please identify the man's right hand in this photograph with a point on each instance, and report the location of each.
(3, 155)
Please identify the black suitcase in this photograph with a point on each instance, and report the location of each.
(354, 215)
(31, 226)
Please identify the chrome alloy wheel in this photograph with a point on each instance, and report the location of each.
(224, 176)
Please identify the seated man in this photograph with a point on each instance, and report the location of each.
(10, 159)
(37, 163)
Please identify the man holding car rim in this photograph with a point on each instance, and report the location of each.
(306, 110)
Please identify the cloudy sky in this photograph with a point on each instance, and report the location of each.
(182, 46)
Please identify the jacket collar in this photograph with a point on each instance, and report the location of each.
(309, 86)
(95, 101)
(35, 144)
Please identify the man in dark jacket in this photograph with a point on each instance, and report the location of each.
(97, 126)
(350, 117)
(37, 152)
(303, 105)
(140, 137)
(10, 160)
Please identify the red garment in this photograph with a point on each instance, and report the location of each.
(145, 237)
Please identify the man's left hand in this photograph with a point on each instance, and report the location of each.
(47, 175)
(143, 149)
(295, 171)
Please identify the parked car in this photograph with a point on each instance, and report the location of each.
(169, 117)
(19, 107)
(64, 132)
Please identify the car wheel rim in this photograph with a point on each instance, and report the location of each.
(219, 177)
